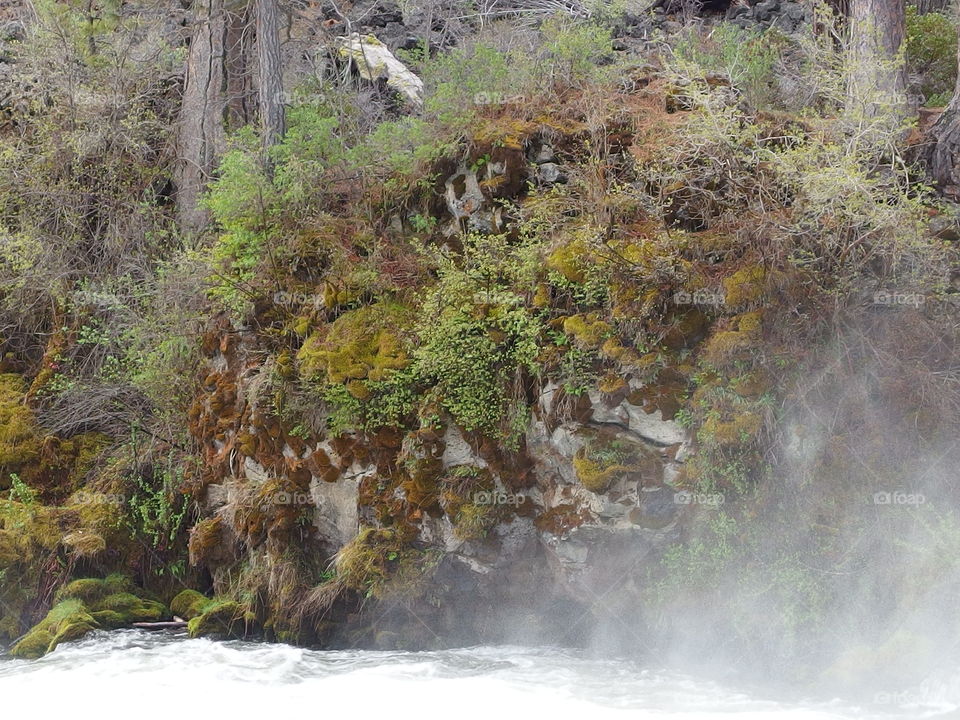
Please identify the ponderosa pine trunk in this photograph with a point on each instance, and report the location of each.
(878, 77)
(200, 132)
(269, 72)
(945, 136)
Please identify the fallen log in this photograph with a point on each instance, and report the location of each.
(173, 625)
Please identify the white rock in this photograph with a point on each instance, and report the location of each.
(653, 427)
(336, 517)
(374, 61)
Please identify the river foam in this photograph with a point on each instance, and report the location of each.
(136, 674)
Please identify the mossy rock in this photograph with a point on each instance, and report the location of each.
(361, 344)
(377, 560)
(206, 540)
(109, 619)
(745, 287)
(8, 549)
(189, 604)
(587, 331)
(75, 629)
(67, 620)
(85, 605)
(131, 607)
(33, 645)
(220, 619)
(92, 590)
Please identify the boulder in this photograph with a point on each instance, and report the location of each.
(375, 62)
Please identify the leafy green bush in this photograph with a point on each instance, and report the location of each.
(577, 53)
(931, 49)
(747, 57)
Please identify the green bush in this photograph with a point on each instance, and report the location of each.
(747, 57)
(931, 49)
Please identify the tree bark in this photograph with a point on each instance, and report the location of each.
(269, 72)
(945, 136)
(241, 93)
(878, 77)
(200, 136)
(929, 6)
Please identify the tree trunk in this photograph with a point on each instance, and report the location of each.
(269, 72)
(878, 77)
(241, 93)
(929, 6)
(945, 134)
(200, 137)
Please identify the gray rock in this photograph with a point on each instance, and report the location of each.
(12, 31)
(543, 154)
(336, 517)
(550, 174)
(795, 12)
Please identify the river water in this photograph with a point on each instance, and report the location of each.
(142, 675)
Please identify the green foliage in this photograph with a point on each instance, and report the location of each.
(456, 83)
(931, 52)
(157, 511)
(747, 57)
(21, 492)
(578, 52)
(476, 331)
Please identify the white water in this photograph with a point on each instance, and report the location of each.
(145, 676)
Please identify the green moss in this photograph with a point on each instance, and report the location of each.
(109, 619)
(206, 538)
(8, 549)
(587, 331)
(92, 590)
(74, 629)
(33, 645)
(360, 345)
(220, 619)
(377, 560)
(189, 604)
(604, 459)
(20, 439)
(571, 260)
(473, 522)
(726, 346)
(745, 287)
(67, 620)
(593, 474)
(133, 608)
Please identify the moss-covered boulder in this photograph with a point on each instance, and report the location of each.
(86, 605)
(92, 590)
(189, 604)
(221, 619)
(362, 344)
(67, 620)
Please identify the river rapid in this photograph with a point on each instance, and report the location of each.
(142, 675)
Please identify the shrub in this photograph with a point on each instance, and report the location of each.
(931, 51)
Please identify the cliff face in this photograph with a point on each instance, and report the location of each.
(478, 512)
(590, 346)
(499, 543)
